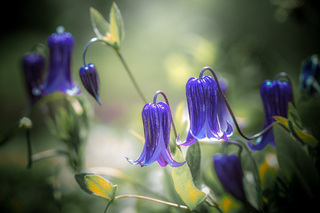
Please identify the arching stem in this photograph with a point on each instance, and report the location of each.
(146, 198)
(123, 62)
(229, 108)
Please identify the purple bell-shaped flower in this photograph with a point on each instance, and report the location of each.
(229, 172)
(156, 119)
(205, 111)
(90, 80)
(276, 96)
(59, 70)
(33, 67)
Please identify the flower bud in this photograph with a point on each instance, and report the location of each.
(90, 80)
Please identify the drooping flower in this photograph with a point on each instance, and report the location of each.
(223, 112)
(309, 75)
(205, 116)
(33, 66)
(59, 70)
(90, 80)
(276, 96)
(229, 172)
(156, 119)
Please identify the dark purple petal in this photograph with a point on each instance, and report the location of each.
(224, 116)
(90, 80)
(229, 172)
(196, 107)
(262, 141)
(33, 67)
(59, 69)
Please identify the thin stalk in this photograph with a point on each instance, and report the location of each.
(147, 198)
(285, 75)
(131, 78)
(123, 62)
(167, 102)
(229, 108)
(226, 143)
(29, 149)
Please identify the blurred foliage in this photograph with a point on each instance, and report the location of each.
(166, 43)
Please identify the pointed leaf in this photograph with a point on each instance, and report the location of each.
(100, 26)
(116, 26)
(283, 121)
(96, 185)
(100, 186)
(293, 116)
(184, 185)
(303, 136)
(251, 190)
(294, 161)
(193, 160)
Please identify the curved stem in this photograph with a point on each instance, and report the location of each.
(107, 206)
(151, 199)
(131, 78)
(285, 75)
(88, 44)
(226, 143)
(167, 102)
(229, 108)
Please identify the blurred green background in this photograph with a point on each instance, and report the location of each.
(166, 43)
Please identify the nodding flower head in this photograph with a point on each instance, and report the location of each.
(310, 70)
(90, 80)
(229, 172)
(276, 96)
(33, 66)
(59, 71)
(156, 119)
(205, 111)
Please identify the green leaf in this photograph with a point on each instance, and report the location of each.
(252, 192)
(193, 160)
(303, 136)
(100, 26)
(180, 122)
(96, 185)
(293, 115)
(294, 161)
(184, 185)
(116, 26)
(292, 127)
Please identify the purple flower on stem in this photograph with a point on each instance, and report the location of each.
(205, 111)
(90, 80)
(276, 96)
(59, 72)
(156, 119)
(229, 172)
(33, 66)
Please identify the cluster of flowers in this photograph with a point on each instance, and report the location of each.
(209, 112)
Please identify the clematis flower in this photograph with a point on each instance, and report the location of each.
(33, 66)
(206, 118)
(59, 72)
(229, 172)
(223, 112)
(310, 70)
(90, 80)
(156, 119)
(276, 96)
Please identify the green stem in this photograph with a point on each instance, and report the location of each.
(147, 198)
(226, 143)
(131, 78)
(29, 149)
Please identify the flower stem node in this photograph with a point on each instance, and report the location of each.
(26, 123)
(156, 119)
(90, 80)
